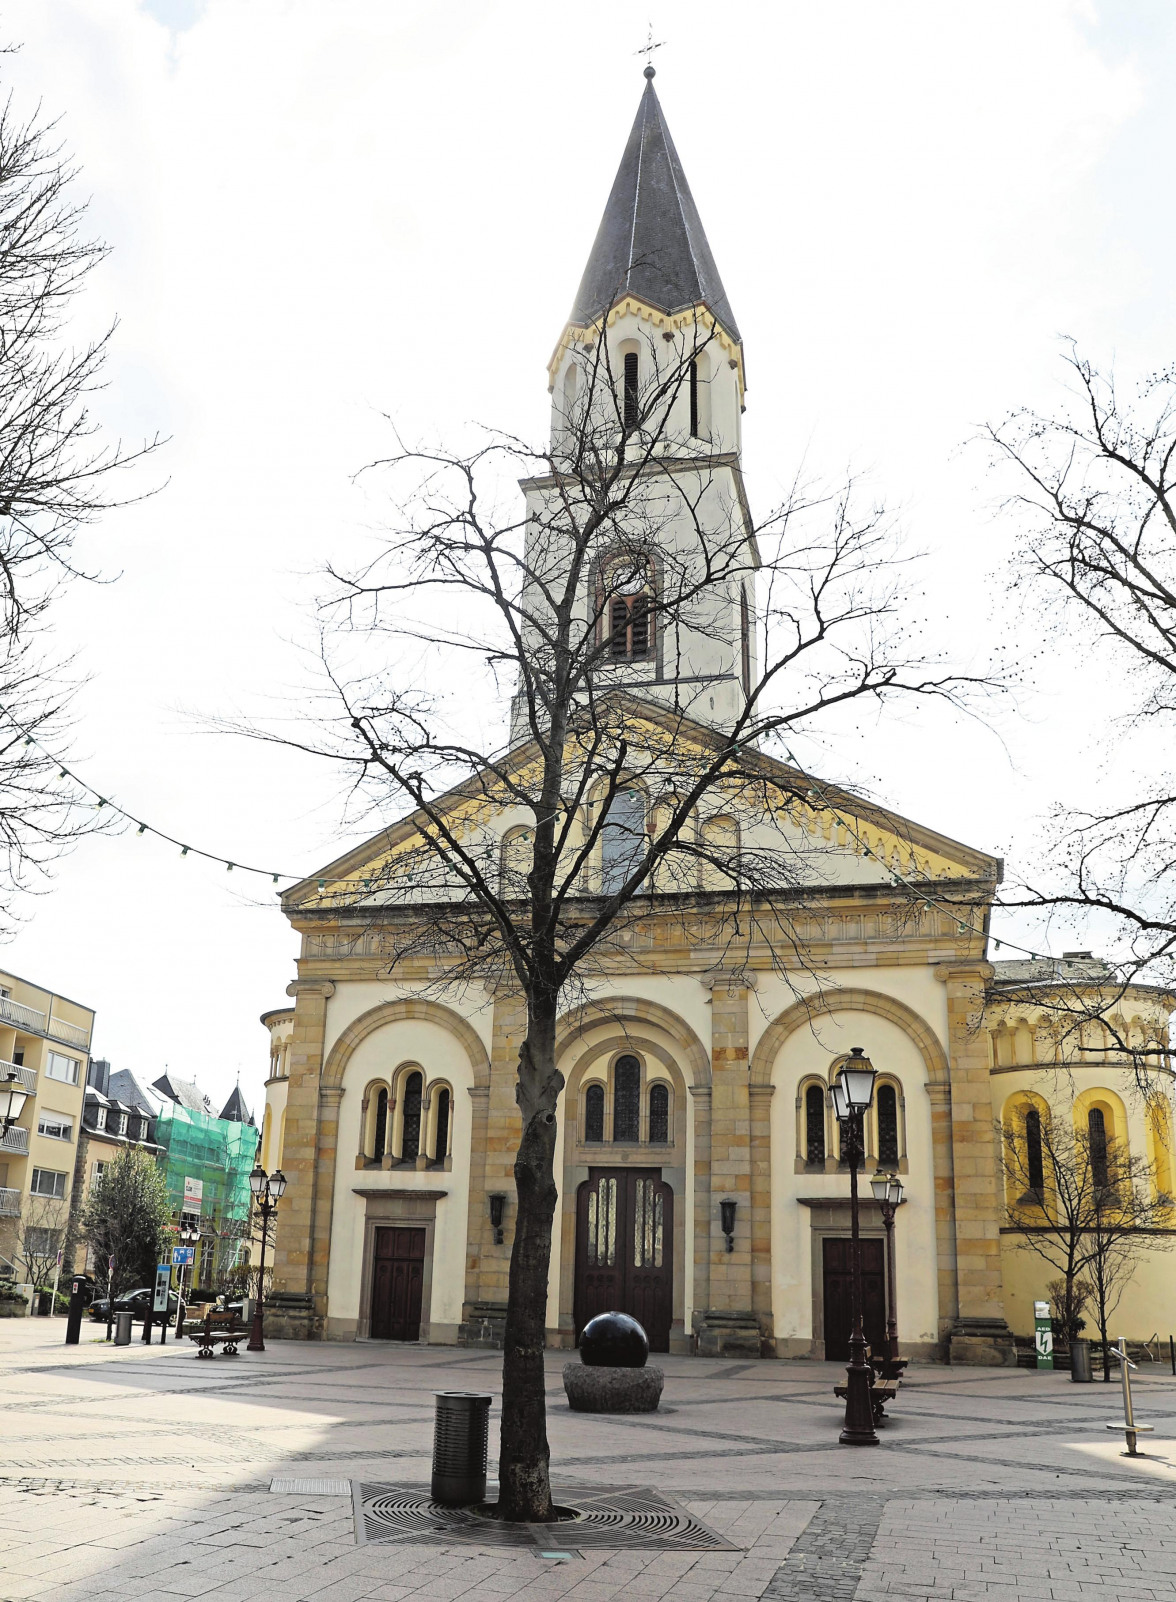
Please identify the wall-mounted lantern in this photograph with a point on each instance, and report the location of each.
(497, 1203)
(727, 1216)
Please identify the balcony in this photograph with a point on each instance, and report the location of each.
(72, 1034)
(15, 1139)
(9, 1202)
(22, 1017)
(24, 1076)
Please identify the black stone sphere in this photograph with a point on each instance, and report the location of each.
(614, 1340)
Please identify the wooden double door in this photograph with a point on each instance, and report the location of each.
(625, 1250)
(398, 1278)
(838, 1265)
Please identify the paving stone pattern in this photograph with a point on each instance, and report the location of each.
(141, 1475)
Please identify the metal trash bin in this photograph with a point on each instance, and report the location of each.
(1080, 1371)
(122, 1329)
(461, 1427)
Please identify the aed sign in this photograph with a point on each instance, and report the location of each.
(162, 1286)
(1043, 1334)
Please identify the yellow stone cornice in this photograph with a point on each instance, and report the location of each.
(668, 322)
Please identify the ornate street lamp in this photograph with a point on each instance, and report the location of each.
(13, 1096)
(189, 1235)
(268, 1190)
(887, 1190)
(852, 1095)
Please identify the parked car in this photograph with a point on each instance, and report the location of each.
(135, 1302)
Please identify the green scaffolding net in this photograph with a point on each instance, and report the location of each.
(218, 1154)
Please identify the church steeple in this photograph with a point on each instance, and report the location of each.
(651, 242)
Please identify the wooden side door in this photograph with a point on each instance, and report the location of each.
(398, 1276)
(624, 1250)
(838, 1295)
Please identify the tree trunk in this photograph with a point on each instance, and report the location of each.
(524, 1456)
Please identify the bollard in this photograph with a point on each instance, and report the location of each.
(461, 1428)
(122, 1329)
(1172, 1355)
(79, 1295)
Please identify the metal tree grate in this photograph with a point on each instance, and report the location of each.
(626, 1517)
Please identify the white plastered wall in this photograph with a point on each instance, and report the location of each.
(893, 1052)
(441, 1056)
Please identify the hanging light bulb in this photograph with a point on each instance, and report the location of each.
(142, 828)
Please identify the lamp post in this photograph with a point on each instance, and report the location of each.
(852, 1095)
(268, 1190)
(189, 1235)
(13, 1096)
(887, 1190)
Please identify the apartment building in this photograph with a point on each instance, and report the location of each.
(45, 1039)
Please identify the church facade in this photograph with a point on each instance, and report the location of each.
(701, 1182)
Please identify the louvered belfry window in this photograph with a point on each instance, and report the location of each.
(632, 395)
(628, 627)
(625, 608)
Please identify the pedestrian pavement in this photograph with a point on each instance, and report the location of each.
(143, 1473)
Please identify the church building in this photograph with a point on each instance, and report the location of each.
(701, 1181)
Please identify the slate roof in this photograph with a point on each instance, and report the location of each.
(235, 1108)
(123, 1086)
(651, 241)
(184, 1092)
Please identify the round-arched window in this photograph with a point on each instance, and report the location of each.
(659, 1115)
(594, 1113)
(627, 1099)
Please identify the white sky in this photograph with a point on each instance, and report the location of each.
(321, 212)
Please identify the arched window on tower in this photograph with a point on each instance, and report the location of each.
(887, 1103)
(380, 1142)
(625, 608)
(622, 840)
(814, 1125)
(1034, 1161)
(441, 1141)
(1096, 1128)
(627, 1099)
(594, 1113)
(659, 1115)
(410, 1145)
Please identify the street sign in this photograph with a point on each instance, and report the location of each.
(162, 1286)
(183, 1256)
(1043, 1334)
(193, 1194)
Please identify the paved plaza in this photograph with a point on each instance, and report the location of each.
(145, 1473)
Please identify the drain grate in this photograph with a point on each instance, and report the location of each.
(626, 1517)
(321, 1487)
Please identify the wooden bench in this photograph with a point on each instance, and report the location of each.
(881, 1392)
(216, 1329)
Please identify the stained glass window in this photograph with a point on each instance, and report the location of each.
(627, 1099)
(381, 1141)
(594, 1113)
(411, 1144)
(659, 1115)
(441, 1149)
(887, 1125)
(814, 1121)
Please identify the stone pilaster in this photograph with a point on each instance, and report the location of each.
(760, 1099)
(980, 1334)
(726, 1323)
(945, 1218)
(495, 1134)
(295, 1303)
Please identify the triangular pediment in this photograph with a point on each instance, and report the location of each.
(837, 838)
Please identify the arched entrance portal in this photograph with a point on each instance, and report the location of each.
(625, 1250)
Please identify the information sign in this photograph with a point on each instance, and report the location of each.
(193, 1194)
(1043, 1334)
(183, 1256)
(162, 1286)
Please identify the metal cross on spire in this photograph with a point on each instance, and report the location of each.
(647, 50)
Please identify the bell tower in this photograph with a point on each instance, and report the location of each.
(652, 347)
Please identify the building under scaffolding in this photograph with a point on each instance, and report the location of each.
(206, 1163)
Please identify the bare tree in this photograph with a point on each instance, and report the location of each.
(664, 652)
(55, 479)
(41, 1234)
(1085, 1204)
(1097, 504)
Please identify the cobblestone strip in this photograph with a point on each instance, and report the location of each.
(827, 1558)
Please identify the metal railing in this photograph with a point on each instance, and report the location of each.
(74, 1034)
(9, 1202)
(24, 1076)
(23, 1017)
(14, 1139)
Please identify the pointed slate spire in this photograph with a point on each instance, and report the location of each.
(650, 242)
